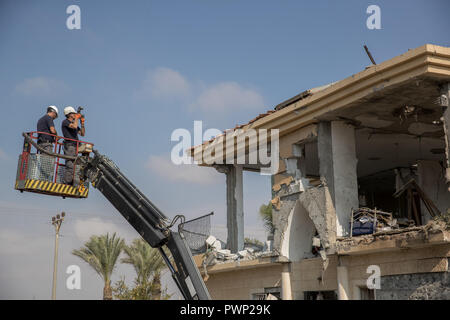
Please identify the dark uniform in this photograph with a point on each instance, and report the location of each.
(70, 149)
(43, 125)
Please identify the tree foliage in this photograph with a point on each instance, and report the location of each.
(265, 212)
(102, 253)
(140, 291)
(148, 264)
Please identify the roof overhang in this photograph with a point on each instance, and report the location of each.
(426, 62)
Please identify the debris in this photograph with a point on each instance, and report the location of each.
(276, 203)
(269, 246)
(411, 188)
(213, 243)
(210, 240)
(367, 221)
(443, 219)
(433, 226)
(215, 254)
(325, 262)
(271, 297)
(243, 253)
(287, 181)
(316, 242)
(323, 255)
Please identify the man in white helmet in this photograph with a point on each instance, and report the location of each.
(45, 125)
(70, 130)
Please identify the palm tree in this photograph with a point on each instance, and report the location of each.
(101, 253)
(265, 212)
(147, 263)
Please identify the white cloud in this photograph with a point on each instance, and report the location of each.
(41, 86)
(227, 96)
(167, 84)
(85, 228)
(163, 166)
(163, 83)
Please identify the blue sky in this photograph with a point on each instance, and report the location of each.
(142, 69)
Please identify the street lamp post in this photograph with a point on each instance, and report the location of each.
(56, 222)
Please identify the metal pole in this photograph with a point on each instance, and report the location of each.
(56, 222)
(55, 265)
(370, 56)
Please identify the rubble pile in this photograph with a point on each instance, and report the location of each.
(369, 221)
(433, 226)
(216, 254)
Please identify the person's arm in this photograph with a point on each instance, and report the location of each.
(82, 130)
(51, 126)
(73, 125)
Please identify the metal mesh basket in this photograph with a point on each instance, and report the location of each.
(196, 231)
(40, 167)
(61, 171)
(19, 168)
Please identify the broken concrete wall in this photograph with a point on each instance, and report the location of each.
(281, 218)
(301, 207)
(298, 215)
(286, 147)
(432, 181)
(296, 243)
(319, 205)
(287, 219)
(419, 286)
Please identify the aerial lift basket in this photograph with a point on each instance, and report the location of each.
(43, 173)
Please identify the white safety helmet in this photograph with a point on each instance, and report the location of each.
(68, 110)
(53, 108)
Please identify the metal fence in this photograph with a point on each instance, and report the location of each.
(196, 231)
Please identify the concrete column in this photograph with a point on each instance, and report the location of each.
(345, 176)
(337, 160)
(235, 206)
(286, 291)
(343, 284)
(445, 103)
(325, 152)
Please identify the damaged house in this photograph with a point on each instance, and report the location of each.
(361, 199)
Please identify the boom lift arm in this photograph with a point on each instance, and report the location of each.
(145, 218)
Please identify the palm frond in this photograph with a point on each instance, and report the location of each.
(147, 261)
(102, 253)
